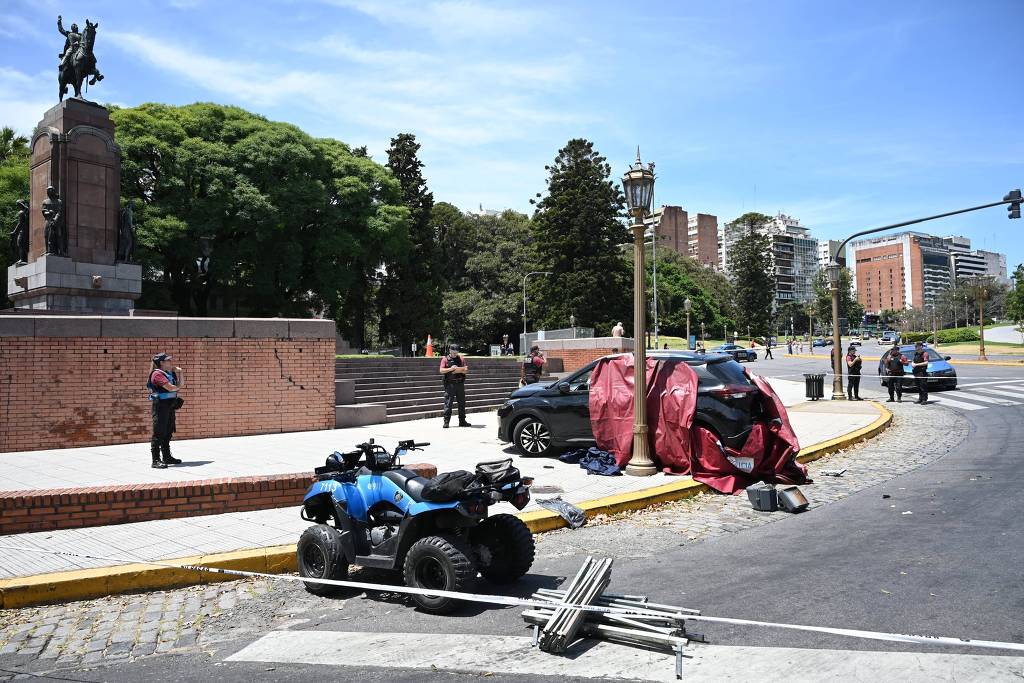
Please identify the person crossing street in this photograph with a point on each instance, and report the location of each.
(454, 369)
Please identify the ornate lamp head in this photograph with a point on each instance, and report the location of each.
(638, 184)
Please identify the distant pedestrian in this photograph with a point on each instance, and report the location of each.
(853, 366)
(454, 369)
(533, 367)
(768, 351)
(920, 369)
(789, 346)
(666, 346)
(618, 330)
(164, 383)
(506, 346)
(894, 368)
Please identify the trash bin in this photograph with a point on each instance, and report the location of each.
(814, 386)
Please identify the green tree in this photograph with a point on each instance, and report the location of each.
(1015, 298)
(411, 292)
(849, 307)
(578, 231)
(752, 272)
(485, 301)
(14, 185)
(289, 222)
(12, 144)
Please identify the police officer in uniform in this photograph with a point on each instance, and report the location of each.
(894, 368)
(454, 369)
(920, 368)
(533, 366)
(165, 380)
(853, 365)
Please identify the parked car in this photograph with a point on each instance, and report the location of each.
(939, 367)
(541, 418)
(887, 337)
(739, 353)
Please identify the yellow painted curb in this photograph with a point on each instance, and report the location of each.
(84, 584)
(954, 361)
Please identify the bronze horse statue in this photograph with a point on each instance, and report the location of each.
(82, 63)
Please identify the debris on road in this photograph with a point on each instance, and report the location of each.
(574, 516)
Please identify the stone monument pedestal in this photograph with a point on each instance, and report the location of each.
(59, 283)
(73, 151)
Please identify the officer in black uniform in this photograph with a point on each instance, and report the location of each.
(920, 367)
(454, 369)
(533, 367)
(894, 368)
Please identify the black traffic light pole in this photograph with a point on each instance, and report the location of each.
(1013, 198)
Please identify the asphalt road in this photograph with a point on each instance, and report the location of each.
(952, 567)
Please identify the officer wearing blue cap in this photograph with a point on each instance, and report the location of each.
(165, 380)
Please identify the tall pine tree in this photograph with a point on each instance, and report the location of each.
(752, 271)
(578, 233)
(411, 293)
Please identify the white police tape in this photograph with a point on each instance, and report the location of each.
(525, 602)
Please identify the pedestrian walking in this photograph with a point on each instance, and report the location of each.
(532, 367)
(768, 351)
(920, 369)
(789, 346)
(164, 383)
(454, 369)
(853, 366)
(894, 367)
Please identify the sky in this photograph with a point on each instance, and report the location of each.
(845, 115)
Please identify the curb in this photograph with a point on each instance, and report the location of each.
(84, 584)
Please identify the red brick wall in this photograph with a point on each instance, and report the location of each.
(62, 392)
(574, 359)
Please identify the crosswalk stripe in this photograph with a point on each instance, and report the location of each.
(945, 400)
(988, 399)
(512, 655)
(1001, 392)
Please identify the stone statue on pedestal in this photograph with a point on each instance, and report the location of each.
(77, 61)
(126, 234)
(19, 236)
(53, 215)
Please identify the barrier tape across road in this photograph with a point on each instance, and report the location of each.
(525, 602)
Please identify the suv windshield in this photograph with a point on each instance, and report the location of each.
(729, 372)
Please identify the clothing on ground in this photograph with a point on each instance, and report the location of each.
(593, 460)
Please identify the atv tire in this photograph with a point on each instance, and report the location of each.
(507, 548)
(442, 563)
(320, 556)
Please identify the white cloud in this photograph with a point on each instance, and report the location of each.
(18, 28)
(450, 18)
(24, 99)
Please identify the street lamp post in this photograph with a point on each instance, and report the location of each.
(981, 321)
(702, 333)
(686, 307)
(837, 356)
(525, 278)
(638, 184)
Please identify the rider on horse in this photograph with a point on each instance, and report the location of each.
(73, 38)
(77, 61)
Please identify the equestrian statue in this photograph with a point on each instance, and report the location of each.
(77, 62)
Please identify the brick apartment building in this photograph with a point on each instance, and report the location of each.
(906, 270)
(694, 236)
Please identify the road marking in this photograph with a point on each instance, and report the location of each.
(475, 653)
(990, 399)
(1001, 392)
(947, 401)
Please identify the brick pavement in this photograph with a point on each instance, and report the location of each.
(118, 628)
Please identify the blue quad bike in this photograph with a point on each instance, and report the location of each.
(371, 512)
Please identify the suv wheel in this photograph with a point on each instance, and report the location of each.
(532, 437)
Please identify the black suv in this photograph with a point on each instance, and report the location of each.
(541, 418)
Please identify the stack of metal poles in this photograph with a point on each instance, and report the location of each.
(563, 622)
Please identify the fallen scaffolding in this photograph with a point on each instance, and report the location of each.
(656, 626)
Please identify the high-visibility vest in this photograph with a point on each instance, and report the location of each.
(154, 394)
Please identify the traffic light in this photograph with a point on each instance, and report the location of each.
(1014, 207)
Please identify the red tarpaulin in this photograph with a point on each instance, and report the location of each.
(676, 445)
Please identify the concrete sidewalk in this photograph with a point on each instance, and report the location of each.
(456, 448)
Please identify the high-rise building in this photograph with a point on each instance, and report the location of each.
(694, 236)
(795, 255)
(967, 263)
(825, 250)
(905, 270)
